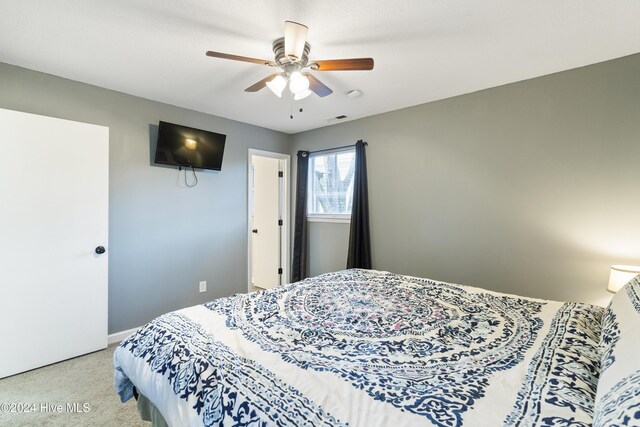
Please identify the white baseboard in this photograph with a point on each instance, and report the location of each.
(119, 336)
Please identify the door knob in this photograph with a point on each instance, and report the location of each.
(255, 231)
(100, 250)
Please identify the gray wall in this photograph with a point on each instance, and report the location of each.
(528, 188)
(163, 238)
(328, 247)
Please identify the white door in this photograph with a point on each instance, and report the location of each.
(53, 216)
(265, 231)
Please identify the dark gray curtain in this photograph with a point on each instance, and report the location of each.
(359, 255)
(299, 267)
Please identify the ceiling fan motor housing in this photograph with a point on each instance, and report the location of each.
(282, 59)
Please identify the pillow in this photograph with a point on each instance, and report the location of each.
(618, 393)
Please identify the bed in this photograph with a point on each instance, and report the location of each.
(373, 348)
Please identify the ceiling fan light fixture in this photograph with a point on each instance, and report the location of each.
(295, 36)
(301, 95)
(298, 83)
(277, 85)
(291, 61)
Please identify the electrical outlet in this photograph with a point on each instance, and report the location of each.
(203, 286)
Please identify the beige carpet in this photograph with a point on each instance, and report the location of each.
(83, 380)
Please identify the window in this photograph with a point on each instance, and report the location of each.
(330, 192)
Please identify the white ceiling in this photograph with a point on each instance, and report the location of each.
(424, 50)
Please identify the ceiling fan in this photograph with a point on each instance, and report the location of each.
(292, 57)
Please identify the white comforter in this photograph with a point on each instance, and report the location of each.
(368, 348)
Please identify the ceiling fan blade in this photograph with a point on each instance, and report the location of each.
(353, 64)
(262, 83)
(317, 87)
(240, 58)
(295, 37)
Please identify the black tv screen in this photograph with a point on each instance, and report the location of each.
(184, 146)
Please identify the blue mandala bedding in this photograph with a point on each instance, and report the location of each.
(368, 348)
(618, 398)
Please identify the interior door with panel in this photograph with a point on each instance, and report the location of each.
(54, 183)
(265, 231)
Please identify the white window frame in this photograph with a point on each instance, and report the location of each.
(318, 217)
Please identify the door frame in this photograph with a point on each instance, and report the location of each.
(285, 164)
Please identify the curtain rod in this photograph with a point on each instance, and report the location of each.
(337, 148)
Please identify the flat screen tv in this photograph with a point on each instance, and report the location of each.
(193, 148)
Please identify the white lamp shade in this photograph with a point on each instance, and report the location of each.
(277, 85)
(301, 95)
(295, 36)
(298, 83)
(620, 276)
